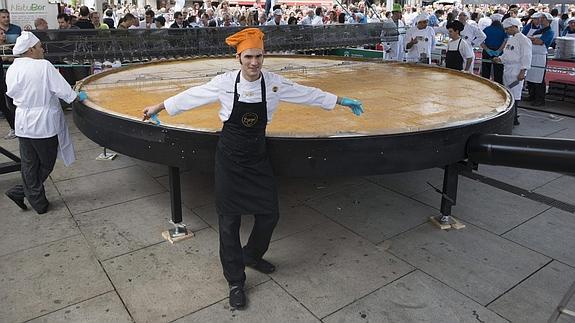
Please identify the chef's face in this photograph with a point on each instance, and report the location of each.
(462, 18)
(251, 60)
(422, 24)
(572, 25)
(453, 33)
(511, 30)
(37, 51)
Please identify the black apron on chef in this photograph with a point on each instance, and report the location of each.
(453, 58)
(244, 179)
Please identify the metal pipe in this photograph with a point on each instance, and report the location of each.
(549, 154)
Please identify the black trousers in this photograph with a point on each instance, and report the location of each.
(38, 158)
(486, 69)
(537, 91)
(232, 256)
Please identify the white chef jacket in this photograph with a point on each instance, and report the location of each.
(473, 35)
(516, 56)
(35, 86)
(221, 88)
(425, 44)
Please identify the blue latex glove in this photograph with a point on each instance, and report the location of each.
(154, 117)
(355, 105)
(82, 95)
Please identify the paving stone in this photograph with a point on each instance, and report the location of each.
(298, 190)
(562, 189)
(537, 124)
(487, 207)
(537, 297)
(107, 308)
(372, 211)
(153, 169)
(129, 226)
(197, 189)
(328, 267)
(100, 190)
(565, 134)
(49, 277)
(293, 219)
(551, 233)
(164, 282)
(410, 183)
(477, 263)
(524, 178)
(23, 229)
(12, 145)
(415, 297)
(86, 164)
(81, 142)
(266, 303)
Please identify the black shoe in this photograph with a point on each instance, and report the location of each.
(43, 210)
(516, 122)
(19, 202)
(237, 297)
(262, 266)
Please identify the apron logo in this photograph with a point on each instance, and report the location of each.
(249, 119)
(275, 89)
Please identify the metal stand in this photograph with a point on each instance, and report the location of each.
(179, 229)
(560, 309)
(448, 199)
(9, 167)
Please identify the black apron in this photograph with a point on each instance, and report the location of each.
(244, 179)
(453, 58)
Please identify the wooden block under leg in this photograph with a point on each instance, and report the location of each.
(166, 235)
(436, 223)
(453, 224)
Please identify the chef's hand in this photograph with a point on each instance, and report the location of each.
(82, 95)
(154, 109)
(521, 75)
(497, 60)
(355, 105)
(414, 41)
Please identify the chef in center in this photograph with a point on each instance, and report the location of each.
(244, 179)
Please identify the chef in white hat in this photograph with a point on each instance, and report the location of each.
(420, 40)
(471, 34)
(570, 29)
(541, 39)
(36, 87)
(516, 58)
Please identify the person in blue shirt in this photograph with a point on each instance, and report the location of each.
(493, 47)
(541, 40)
(12, 31)
(570, 28)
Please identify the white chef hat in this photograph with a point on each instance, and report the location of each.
(496, 17)
(24, 42)
(537, 15)
(512, 22)
(278, 12)
(572, 19)
(421, 17)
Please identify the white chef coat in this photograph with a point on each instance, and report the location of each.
(395, 51)
(516, 56)
(35, 86)
(221, 88)
(425, 44)
(474, 37)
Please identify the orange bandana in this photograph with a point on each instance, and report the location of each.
(246, 39)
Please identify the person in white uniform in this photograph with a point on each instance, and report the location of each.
(541, 39)
(516, 58)
(420, 41)
(244, 180)
(36, 86)
(471, 34)
(394, 50)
